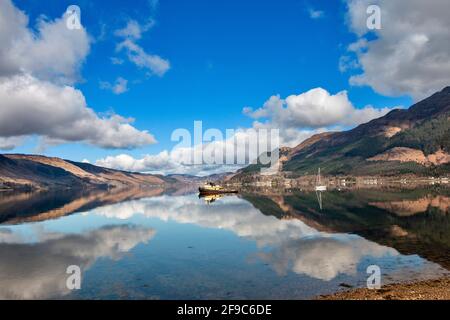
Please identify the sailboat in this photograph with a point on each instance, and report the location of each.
(319, 186)
(319, 189)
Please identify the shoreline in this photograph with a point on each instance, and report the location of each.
(434, 289)
(338, 181)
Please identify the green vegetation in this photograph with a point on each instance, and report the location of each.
(350, 158)
(429, 136)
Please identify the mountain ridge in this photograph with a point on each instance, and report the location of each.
(21, 171)
(423, 129)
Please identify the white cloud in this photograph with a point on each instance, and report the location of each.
(37, 70)
(289, 137)
(316, 108)
(133, 30)
(59, 113)
(119, 87)
(128, 163)
(411, 52)
(11, 142)
(136, 54)
(116, 61)
(315, 14)
(347, 63)
(245, 144)
(142, 59)
(164, 162)
(52, 53)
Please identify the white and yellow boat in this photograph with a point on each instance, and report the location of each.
(212, 188)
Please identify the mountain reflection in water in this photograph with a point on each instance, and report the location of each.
(154, 243)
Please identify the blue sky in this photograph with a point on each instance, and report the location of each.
(223, 55)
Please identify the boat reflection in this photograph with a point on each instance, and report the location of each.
(319, 198)
(210, 198)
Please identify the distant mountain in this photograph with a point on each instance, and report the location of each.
(187, 178)
(19, 171)
(405, 141)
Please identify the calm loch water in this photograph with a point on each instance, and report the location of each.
(154, 244)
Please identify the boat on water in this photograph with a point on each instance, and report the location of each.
(319, 185)
(319, 189)
(212, 188)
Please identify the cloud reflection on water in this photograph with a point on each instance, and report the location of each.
(35, 267)
(288, 244)
(38, 270)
